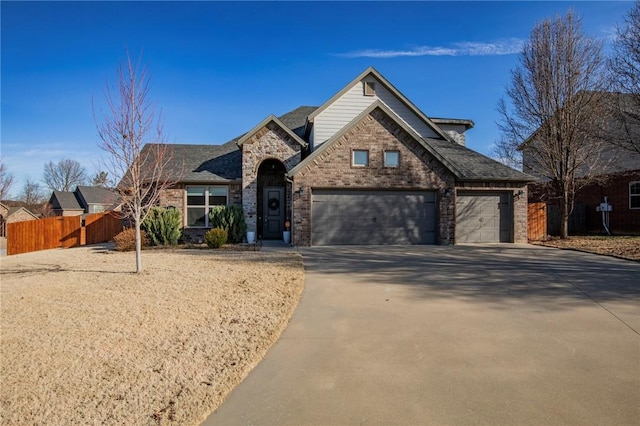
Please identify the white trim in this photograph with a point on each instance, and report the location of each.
(384, 159)
(353, 158)
(635, 182)
(369, 88)
(207, 207)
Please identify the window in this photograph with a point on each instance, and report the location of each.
(360, 158)
(391, 158)
(200, 199)
(369, 88)
(634, 195)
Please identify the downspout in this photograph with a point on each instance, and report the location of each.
(293, 232)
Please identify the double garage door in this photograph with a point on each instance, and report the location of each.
(373, 217)
(483, 217)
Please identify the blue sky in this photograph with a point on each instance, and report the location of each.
(219, 68)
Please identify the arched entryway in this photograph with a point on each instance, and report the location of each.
(272, 199)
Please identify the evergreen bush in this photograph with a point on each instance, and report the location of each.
(231, 219)
(163, 226)
(216, 238)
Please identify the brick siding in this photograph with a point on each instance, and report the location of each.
(377, 132)
(622, 219)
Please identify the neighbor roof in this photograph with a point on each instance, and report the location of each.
(65, 200)
(97, 195)
(13, 210)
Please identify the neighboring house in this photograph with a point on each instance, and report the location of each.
(366, 167)
(85, 199)
(615, 175)
(13, 214)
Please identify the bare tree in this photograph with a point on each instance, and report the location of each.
(6, 181)
(625, 71)
(132, 135)
(32, 195)
(554, 112)
(64, 175)
(102, 180)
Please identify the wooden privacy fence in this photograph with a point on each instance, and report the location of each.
(102, 227)
(536, 221)
(61, 231)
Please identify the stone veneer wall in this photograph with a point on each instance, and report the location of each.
(519, 203)
(377, 132)
(270, 142)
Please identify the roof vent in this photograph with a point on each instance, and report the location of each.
(369, 88)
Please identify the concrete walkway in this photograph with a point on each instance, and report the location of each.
(452, 335)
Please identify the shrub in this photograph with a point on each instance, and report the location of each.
(126, 240)
(231, 219)
(216, 237)
(163, 226)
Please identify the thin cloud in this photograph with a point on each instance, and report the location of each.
(465, 48)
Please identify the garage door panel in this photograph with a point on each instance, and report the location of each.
(483, 218)
(373, 217)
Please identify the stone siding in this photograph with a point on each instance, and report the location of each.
(418, 170)
(270, 142)
(174, 197)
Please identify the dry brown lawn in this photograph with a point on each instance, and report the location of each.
(619, 246)
(86, 341)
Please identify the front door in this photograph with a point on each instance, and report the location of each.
(273, 213)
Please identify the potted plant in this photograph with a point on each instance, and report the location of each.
(286, 234)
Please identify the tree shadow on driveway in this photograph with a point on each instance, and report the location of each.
(540, 277)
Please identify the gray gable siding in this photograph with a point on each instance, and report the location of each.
(348, 106)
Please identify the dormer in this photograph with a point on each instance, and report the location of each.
(455, 128)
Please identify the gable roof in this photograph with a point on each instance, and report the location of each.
(15, 210)
(223, 163)
(64, 200)
(97, 195)
(391, 88)
(271, 119)
(464, 163)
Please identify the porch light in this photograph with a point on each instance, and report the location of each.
(300, 190)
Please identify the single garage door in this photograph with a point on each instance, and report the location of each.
(483, 217)
(373, 217)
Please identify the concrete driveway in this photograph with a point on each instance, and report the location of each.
(500, 334)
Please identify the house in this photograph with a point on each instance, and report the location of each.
(85, 199)
(614, 174)
(11, 214)
(366, 167)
